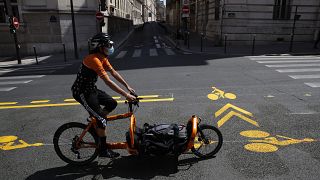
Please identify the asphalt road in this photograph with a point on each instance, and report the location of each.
(270, 123)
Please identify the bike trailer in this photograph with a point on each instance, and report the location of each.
(160, 139)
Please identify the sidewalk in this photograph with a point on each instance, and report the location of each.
(119, 39)
(208, 47)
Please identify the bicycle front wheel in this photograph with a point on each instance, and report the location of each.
(65, 139)
(207, 142)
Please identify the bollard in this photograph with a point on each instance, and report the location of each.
(35, 54)
(89, 46)
(188, 40)
(225, 43)
(253, 44)
(291, 42)
(201, 42)
(64, 52)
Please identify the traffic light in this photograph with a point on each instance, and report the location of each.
(11, 26)
(103, 5)
(12, 29)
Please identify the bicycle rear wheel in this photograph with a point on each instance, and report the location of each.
(207, 142)
(65, 139)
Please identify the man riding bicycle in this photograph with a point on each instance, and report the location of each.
(86, 92)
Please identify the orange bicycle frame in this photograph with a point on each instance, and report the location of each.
(117, 145)
(130, 147)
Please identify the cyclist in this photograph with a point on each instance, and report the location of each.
(86, 93)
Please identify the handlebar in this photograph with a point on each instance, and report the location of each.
(134, 102)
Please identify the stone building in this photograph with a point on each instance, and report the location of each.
(46, 24)
(149, 10)
(270, 21)
(161, 11)
(129, 9)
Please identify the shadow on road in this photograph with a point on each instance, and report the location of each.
(124, 167)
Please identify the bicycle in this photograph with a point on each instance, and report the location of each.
(217, 93)
(82, 144)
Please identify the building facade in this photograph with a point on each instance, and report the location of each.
(149, 10)
(269, 21)
(161, 10)
(128, 9)
(47, 24)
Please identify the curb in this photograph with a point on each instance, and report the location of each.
(234, 54)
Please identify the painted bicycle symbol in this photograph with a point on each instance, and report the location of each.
(217, 94)
(7, 143)
(269, 144)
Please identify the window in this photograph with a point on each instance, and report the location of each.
(282, 9)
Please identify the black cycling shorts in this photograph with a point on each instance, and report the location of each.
(92, 101)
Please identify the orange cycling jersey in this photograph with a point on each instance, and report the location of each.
(93, 65)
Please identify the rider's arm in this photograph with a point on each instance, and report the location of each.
(96, 65)
(113, 86)
(119, 78)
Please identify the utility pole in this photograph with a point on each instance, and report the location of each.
(76, 55)
(8, 11)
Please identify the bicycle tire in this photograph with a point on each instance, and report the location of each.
(217, 132)
(230, 96)
(81, 127)
(213, 97)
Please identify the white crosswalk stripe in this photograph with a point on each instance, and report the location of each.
(298, 70)
(25, 74)
(121, 54)
(153, 52)
(7, 88)
(21, 77)
(294, 65)
(137, 53)
(15, 82)
(293, 61)
(304, 66)
(275, 58)
(4, 71)
(313, 84)
(169, 52)
(313, 76)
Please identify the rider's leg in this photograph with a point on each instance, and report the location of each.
(107, 101)
(110, 104)
(91, 103)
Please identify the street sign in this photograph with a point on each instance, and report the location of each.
(15, 22)
(185, 9)
(99, 15)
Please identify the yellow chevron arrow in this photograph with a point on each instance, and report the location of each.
(227, 106)
(233, 113)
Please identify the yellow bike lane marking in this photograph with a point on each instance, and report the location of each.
(8, 143)
(266, 143)
(72, 102)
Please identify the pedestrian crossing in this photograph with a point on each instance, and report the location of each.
(152, 52)
(13, 77)
(304, 68)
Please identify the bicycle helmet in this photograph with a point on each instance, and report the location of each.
(100, 40)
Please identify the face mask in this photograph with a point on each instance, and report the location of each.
(109, 51)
